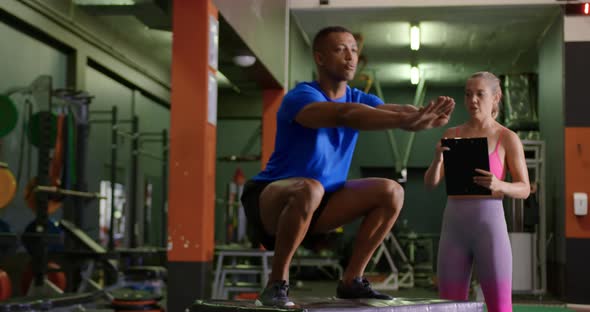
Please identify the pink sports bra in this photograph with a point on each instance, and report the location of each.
(496, 165)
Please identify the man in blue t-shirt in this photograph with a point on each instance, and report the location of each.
(303, 189)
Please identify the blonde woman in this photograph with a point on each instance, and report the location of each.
(474, 227)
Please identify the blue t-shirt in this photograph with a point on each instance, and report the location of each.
(323, 154)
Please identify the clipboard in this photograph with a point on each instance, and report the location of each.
(464, 156)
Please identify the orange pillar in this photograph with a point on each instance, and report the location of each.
(577, 165)
(192, 154)
(271, 99)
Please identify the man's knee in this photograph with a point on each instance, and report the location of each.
(393, 196)
(308, 193)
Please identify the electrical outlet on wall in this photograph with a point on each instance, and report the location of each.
(580, 204)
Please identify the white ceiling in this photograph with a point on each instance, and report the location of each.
(455, 41)
(156, 43)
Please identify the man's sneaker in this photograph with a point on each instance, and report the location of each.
(359, 288)
(275, 294)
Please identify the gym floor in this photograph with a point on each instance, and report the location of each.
(521, 303)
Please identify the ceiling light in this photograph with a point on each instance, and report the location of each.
(104, 2)
(414, 75)
(415, 38)
(244, 60)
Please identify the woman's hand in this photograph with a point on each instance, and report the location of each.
(488, 180)
(438, 152)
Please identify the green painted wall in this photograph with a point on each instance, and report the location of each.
(152, 118)
(233, 137)
(108, 93)
(301, 65)
(244, 105)
(551, 120)
(238, 124)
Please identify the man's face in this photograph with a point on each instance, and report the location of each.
(338, 56)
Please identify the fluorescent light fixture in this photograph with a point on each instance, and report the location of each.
(414, 75)
(415, 38)
(104, 2)
(244, 60)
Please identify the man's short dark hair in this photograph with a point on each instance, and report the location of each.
(324, 32)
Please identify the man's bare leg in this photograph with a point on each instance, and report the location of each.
(379, 201)
(286, 209)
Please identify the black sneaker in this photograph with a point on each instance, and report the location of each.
(360, 288)
(275, 294)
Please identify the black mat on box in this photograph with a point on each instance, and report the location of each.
(335, 305)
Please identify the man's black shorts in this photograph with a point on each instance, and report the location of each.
(250, 201)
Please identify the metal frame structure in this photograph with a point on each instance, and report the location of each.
(138, 139)
(235, 255)
(395, 279)
(537, 167)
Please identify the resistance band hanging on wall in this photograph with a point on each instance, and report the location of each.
(7, 185)
(8, 120)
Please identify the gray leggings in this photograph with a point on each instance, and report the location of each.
(474, 230)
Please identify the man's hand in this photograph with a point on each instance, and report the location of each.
(439, 122)
(435, 114)
(408, 108)
(403, 108)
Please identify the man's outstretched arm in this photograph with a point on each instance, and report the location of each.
(364, 117)
(408, 108)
